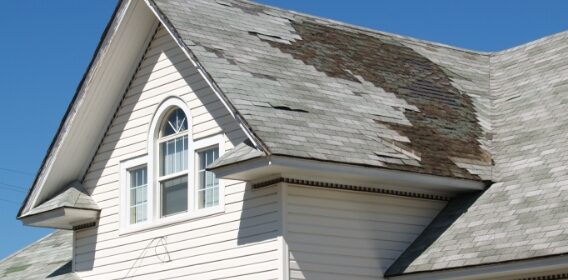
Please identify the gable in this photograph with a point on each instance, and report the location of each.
(164, 71)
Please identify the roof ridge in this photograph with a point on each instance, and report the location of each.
(404, 37)
(367, 29)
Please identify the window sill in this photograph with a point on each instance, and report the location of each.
(171, 220)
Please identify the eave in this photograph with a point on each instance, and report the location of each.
(262, 168)
(94, 103)
(62, 218)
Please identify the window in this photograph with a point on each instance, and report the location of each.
(207, 183)
(173, 175)
(135, 192)
(138, 195)
(171, 183)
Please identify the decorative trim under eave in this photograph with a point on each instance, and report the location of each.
(84, 226)
(328, 185)
(558, 276)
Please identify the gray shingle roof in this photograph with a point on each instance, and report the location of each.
(314, 88)
(525, 213)
(73, 196)
(47, 258)
(242, 152)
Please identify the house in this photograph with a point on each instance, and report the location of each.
(222, 139)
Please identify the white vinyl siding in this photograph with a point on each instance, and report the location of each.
(237, 243)
(337, 235)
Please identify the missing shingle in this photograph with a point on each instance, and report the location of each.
(263, 76)
(224, 3)
(444, 123)
(512, 97)
(254, 33)
(218, 52)
(360, 93)
(286, 108)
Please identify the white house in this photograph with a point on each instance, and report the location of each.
(222, 139)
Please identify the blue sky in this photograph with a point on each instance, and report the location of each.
(47, 45)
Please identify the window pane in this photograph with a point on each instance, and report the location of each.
(138, 195)
(174, 195)
(175, 122)
(207, 183)
(173, 156)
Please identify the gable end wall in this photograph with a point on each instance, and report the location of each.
(240, 243)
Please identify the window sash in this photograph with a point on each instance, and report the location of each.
(174, 195)
(138, 195)
(173, 155)
(207, 182)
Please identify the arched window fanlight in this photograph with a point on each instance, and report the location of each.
(175, 122)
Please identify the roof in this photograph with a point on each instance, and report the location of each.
(240, 153)
(313, 88)
(420, 109)
(47, 258)
(523, 215)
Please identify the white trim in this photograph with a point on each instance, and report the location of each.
(339, 172)
(517, 269)
(101, 76)
(284, 265)
(202, 144)
(153, 137)
(154, 217)
(125, 167)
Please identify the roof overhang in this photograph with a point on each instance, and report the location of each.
(62, 218)
(96, 99)
(282, 166)
(536, 268)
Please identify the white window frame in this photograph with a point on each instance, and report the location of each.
(154, 218)
(125, 167)
(162, 178)
(201, 145)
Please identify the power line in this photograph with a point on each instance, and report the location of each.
(12, 186)
(10, 189)
(9, 201)
(16, 171)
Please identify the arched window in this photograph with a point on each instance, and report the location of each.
(173, 162)
(172, 178)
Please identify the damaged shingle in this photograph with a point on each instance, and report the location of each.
(286, 108)
(264, 76)
(446, 123)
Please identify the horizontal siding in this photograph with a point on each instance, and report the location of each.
(240, 243)
(337, 235)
